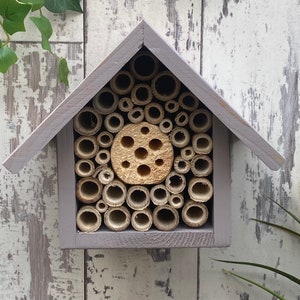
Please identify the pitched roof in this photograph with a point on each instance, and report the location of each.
(142, 35)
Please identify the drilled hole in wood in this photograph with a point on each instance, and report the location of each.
(127, 141)
(145, 130)
(155, 144)
(143, 170)
(159, 162)
(125, 164)
(141, 153)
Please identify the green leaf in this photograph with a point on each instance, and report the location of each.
(13, 14)
(7, 58)
(58, 6)
(35, 4)
(44, 26)
(63, 71)
(256, 284)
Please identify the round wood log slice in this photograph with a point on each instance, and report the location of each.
(142, 154)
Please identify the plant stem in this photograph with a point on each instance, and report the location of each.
(6, 34)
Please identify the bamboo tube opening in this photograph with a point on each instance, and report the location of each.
(171, 106)
(181, 119)
(102, 157)
(114, 193)
(105, 139)
(200, 120)
(187, 153)
(141, 94)
(122, 83)
(181, 165)
(166, 126)
(165, 217)
(136, 115)
(154, 113)
(179, 137)
(176, 200)
(188, 101)
(165, 86)
(86, 147)
(159, 194)
(88, 219)
(125, 104)
(194, 214)
(84, 168)
(88, 190)
(117, 218)
(141, 220)
(201, 165)
(87, 121)
(202, 143)
(101, 206)
(106, 176)
(114, 122)
(144, 65)
(200, 189)
(175, 183)
(106, 101)
(138, 197)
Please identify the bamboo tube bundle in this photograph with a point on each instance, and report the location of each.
(105, 139)
(165, 86)
(159, 194)
(175, 183)
(88, 219)
(114, 193)
(200, 189)
(171, 106)
(188, 101)
(87, 121)
(165, 217)
(202, 143)
(166, 125)
(187, 153)
(182, 119)
(106, 175)
(114, 122)
(200, 120)
(84, 168)
(102, 157)
(122, 83)
(86, 147)
(136, 115)
(101, 206)
(201, 165)
(194, 214)
(141, 220)
(154, 113)
(141, 94)
(125, 104)
(106, 101)
(88, 190)
(138, 197)
(180, 137)
(176, 200)
(181, 165)
(117, 218)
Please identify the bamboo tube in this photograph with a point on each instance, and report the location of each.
(171, 106)
(101, 206)
(201, 165)
(165, 86)
(138, 197)
(181, 166)
(175, 183)
(114, 193)
(122, 83)
(84, 168)
(194, 214)
(106, 175)
(86, 147)
(154, 113)
(141, 220)
(182, 119)
(200, 120)
(88, 219)
(87, 121)
(202, 143)
(166, 125)
(105, 139)
(159, 195)
(125, 104)
(144, 65)
(99, 169)
(114, 122)
(200, 189)
(117, 218)
(88, 190)
(188, 101)
(102, 157)
(136, 115)
(176, 200)
(106, 101)
(165, 217)
(179, 137)
(141, 94)
(187, 153)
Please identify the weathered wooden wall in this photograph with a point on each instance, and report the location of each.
(249, 51)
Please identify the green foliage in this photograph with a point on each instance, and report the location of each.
(12, 16)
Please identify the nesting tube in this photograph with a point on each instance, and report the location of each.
(180, 137)
(138, 197)
(141, 220)
(144, 65)
(101, 206)
(117, 218)
(171, 106)
(114, 193)
(106, 101)
(159, 194)
(188, 101)
(86, 147)
(88, 190)
(201, 165)
(88, 219)
(141, 94)
(102, 157)
(187, 153)
(194, 214)
(136, 115)
(122, 83)
(154, 113)
(105, 139)
(182, 119)
(202, 143)
(181, 165)
(166, 125)
(200, 120)
(114, 122)
(87, 121)
(165, 217)
(200, 189)
(125, 104)
(106, 175)
(84, 168)
(176, 200)
(175, 183)
(165, 86)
